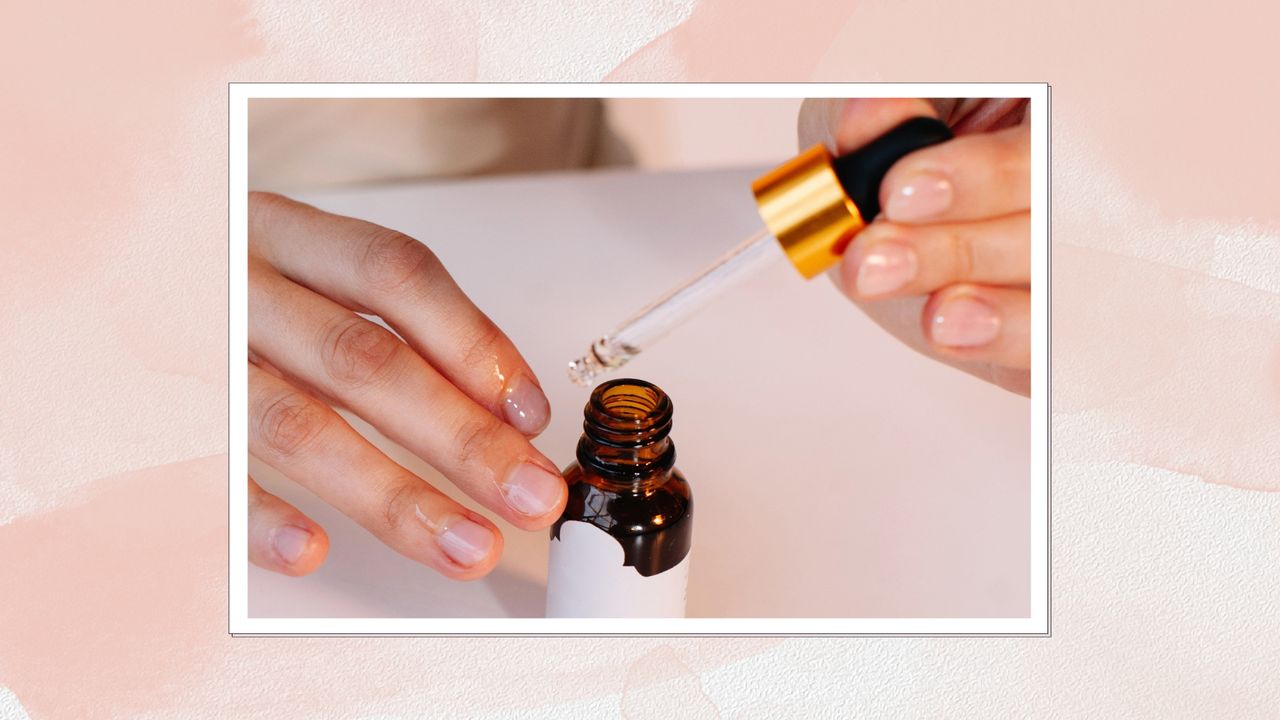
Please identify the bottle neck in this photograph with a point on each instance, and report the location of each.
(625, 439)
(639, 468)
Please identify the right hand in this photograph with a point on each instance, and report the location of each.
(454, 391)
(946, 267)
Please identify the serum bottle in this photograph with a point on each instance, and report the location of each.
(621, 547)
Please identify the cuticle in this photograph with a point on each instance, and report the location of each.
(435, 527)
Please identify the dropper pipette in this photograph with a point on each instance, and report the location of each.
(812, 207)
(614, 350)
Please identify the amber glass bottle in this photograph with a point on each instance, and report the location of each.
(621, 547)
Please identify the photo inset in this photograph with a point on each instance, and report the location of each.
(642, 364)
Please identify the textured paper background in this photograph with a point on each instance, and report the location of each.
(1166, 352)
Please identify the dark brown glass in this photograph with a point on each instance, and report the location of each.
(625, 481)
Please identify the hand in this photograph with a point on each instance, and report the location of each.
(454, 391)
(946, 268)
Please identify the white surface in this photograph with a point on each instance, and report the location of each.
(838, 473)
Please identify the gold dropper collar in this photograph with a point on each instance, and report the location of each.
(805, 207)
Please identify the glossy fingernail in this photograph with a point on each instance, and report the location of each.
(466, 542)
(884, 267)
(525, 406)
(290, 543)
(921, 197)
(964, 322)
(531, 490)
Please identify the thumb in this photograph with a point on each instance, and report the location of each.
(843, 125)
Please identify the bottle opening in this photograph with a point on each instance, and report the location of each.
(629, 403)
(625, 429)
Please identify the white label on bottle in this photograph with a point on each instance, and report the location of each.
(586, 578)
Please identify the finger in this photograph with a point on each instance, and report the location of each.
(295, 381)
(308, 442)
(281, 538)
(845, 125)
(980, 323)
(1012, 379)
(968, 178)
(900, 317)
(368, 268)
(382, 380)
(861, 120)
(895, 260)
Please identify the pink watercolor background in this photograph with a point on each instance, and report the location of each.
(1166, 360)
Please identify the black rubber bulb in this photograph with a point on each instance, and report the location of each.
(861, 171)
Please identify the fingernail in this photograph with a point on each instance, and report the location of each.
(525, 406)
(921, 197)
(290, 543)
(466, 542)
(884, 267)
(532, 491)
(964, 322)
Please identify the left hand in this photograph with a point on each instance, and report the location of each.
(946, 268)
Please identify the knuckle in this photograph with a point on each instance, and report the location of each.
(1014, 159)
(356, 352)
(1012, 174)
(475, 437)
(396, 501)
(287, 422)
(260, 200)
(256, 496)
(962, 260)
(482, 345)
(392, 261)
(263, 207)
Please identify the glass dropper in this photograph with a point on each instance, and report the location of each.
(615, 349)
(812, 206)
